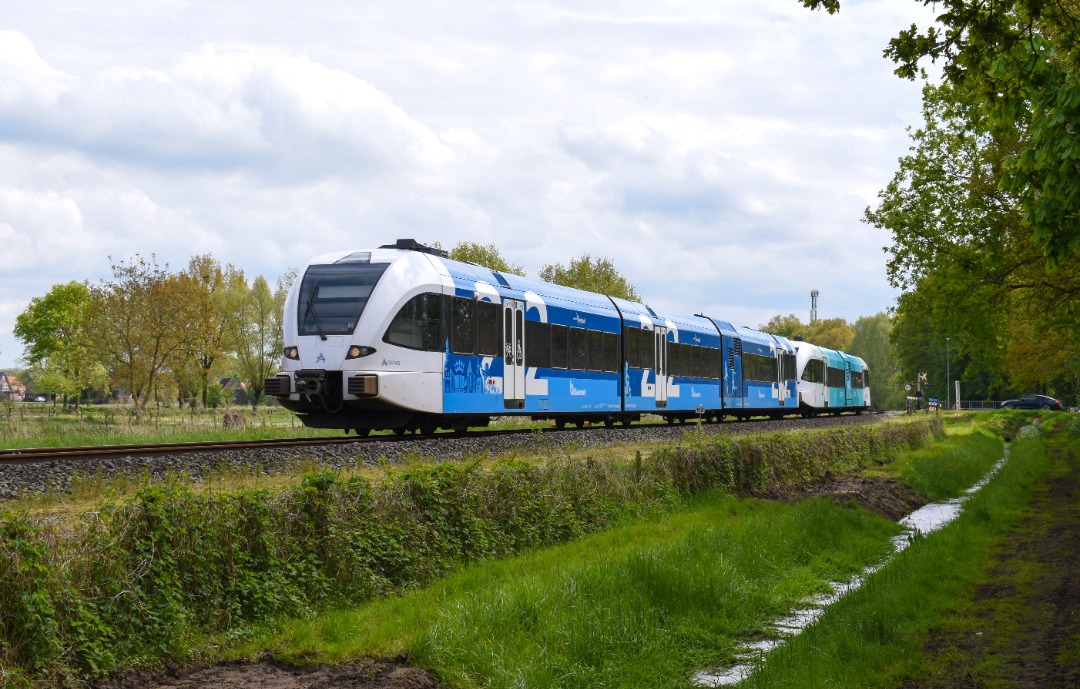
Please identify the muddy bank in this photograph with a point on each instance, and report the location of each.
(390, 673)
(891, 499)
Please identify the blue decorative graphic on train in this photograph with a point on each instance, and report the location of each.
(463, 374)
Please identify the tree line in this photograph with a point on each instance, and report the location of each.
(154, 334)
(984, 210)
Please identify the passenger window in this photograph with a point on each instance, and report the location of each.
(633, 349)
(538, 335)
(674, 359)
(611, 352)
(462, 326)
(596, 350)
(648, 349)
(416, 325)
(578, 349)
(488, 335)
(559, 358)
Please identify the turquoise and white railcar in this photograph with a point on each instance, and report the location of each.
(831, 381)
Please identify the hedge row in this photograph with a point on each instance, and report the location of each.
(133, 584)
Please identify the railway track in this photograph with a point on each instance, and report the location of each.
(90, 452)
(16, 456)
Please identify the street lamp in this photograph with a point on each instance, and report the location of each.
(948, 374)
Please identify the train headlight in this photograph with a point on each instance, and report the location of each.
(356, 351)
(292, 353)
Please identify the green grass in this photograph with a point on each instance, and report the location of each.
(642, 605)
(875, 636)
(45, 426)
(946, 469)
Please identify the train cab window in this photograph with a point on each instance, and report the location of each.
(866, 378)
(611, 352)
(488, 335)
(333, 297)
(578, 349)
(559, 352)
(416, 325)
(856, 380)
(596, 350)
(538, 335)
(462, 326)
(632, 336)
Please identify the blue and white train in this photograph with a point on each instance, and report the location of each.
(402, 338)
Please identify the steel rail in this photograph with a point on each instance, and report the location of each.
(27, 455)
(43, 454)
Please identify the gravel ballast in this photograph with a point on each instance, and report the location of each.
(56, 475)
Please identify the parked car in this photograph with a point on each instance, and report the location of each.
(1033, 402)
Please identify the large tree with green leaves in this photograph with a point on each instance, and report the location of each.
(256, 328)
(834, 333)
(872, 342)
(595, 275)
(486, 255)
(62, 358)
(967, 262)
(140, 320)
(219, 294)
(1020, 62)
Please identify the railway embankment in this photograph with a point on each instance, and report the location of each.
(136, 583)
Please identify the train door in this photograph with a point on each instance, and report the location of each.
(660, 365)
(849, 393)
(781, 384)
(513, 354)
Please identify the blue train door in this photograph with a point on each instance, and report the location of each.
(513, 354)
(660, 365)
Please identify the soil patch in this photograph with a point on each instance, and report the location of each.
(390, 673)
(889, 498)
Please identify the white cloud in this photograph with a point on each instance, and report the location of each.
(720, 154)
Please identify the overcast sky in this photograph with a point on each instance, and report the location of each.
(720, 152)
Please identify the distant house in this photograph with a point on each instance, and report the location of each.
(11, 388)
(234, 390)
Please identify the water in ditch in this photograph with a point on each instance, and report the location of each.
(751, 655)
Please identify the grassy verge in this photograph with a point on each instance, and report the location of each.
(875, 636)
(139, 582)
(642, 605)
(116, 425)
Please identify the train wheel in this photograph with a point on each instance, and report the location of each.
(560, 424)
(400, 430)
(362, 432)
(428, 430)
(609, 422)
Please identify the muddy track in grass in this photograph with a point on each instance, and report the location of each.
(1023, 626)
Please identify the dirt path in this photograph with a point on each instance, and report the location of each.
(1023, 626)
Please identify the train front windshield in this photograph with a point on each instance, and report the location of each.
(333, 297)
